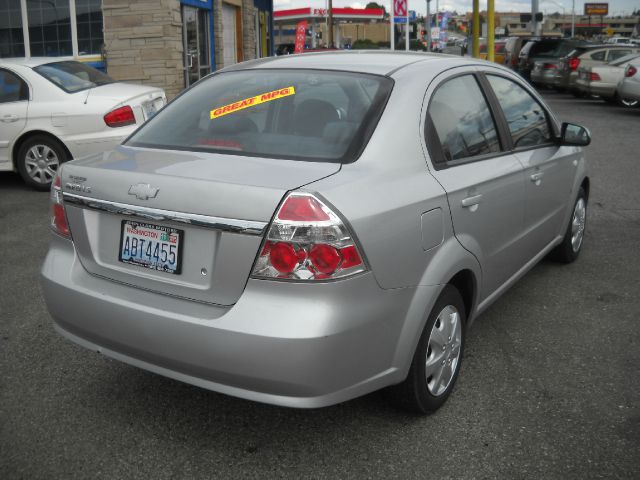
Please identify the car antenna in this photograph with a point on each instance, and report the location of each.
(87, 97)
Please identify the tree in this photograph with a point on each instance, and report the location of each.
(376, 5)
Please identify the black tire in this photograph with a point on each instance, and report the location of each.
(38, 172)
(578, 93)
(567, 252)
(414, 394)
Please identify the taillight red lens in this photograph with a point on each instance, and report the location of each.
(307, 241)
(120, 117)
(283, 257)
(302, 208)
(631, 71)
(549, 66)
(58, 215)
(324, 258)
(574, 63)
(594, 77)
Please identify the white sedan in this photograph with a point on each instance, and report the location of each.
(629, 86)
(53, 110)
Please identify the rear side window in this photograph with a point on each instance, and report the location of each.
(526, 118)
(462, 120)
(616, 54)
(12, 87)
(599, 55)
(291, 114)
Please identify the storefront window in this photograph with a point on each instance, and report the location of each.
(49, 28)
(11, 37)
(89, 20)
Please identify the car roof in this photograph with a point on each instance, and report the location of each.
(361, 61)
(33, 61)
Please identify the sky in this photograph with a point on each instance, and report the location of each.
(616, 7)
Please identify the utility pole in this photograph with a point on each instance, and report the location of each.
(573, 18)
(535, 25)
(330, 24)
(427, 27)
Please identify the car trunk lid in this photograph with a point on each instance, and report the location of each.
(220, 204)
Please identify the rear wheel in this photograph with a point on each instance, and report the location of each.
(572, 242)
(436, 362)
(627, 102)
(39, 158)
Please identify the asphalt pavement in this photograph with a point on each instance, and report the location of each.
(549, 388)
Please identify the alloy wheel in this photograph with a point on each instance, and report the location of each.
(41, 163)
(578, 223)
(443, 350)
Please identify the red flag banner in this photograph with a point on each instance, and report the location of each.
(301, 34)
(399, 8)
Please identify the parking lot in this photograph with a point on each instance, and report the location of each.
(550, 386)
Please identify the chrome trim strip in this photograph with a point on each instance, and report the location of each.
(247, 227)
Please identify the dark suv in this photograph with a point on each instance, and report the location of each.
(546, 50)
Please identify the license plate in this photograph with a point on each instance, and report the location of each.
(156, 247)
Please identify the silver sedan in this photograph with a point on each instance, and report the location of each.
(306, 229)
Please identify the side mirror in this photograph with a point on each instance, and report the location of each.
(574, 135)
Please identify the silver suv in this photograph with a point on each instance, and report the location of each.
(306, 229)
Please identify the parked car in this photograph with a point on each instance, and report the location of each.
(623, 41)
(263, 238)
(547, 50)
(629, 86)
(512, 48)
(53, 110)
(602, 80)
(499, 51)
(587, 56)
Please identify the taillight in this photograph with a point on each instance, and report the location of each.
(307, 241)
(549, 66)
(574, 63)
(120, 117)
(58, 215)
(630, 71)
(594, 77)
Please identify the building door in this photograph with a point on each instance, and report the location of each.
(195, 39)
(229, 34)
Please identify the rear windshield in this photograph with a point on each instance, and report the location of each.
(545, 48)
(73, 76)
(291, 114)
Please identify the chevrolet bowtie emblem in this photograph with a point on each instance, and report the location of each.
(143, 191)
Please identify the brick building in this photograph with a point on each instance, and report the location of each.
(165, 43)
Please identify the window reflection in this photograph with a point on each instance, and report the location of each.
(11, 36)
(49, 28)
(526, 118)
(462, 119)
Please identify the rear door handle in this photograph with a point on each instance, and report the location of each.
(471, 201)
(536, 176)
(10, 118)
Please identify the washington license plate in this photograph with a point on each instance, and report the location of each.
(156, 247)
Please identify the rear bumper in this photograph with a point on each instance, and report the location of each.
(294, 345)
(544, 77)
(596, 88)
